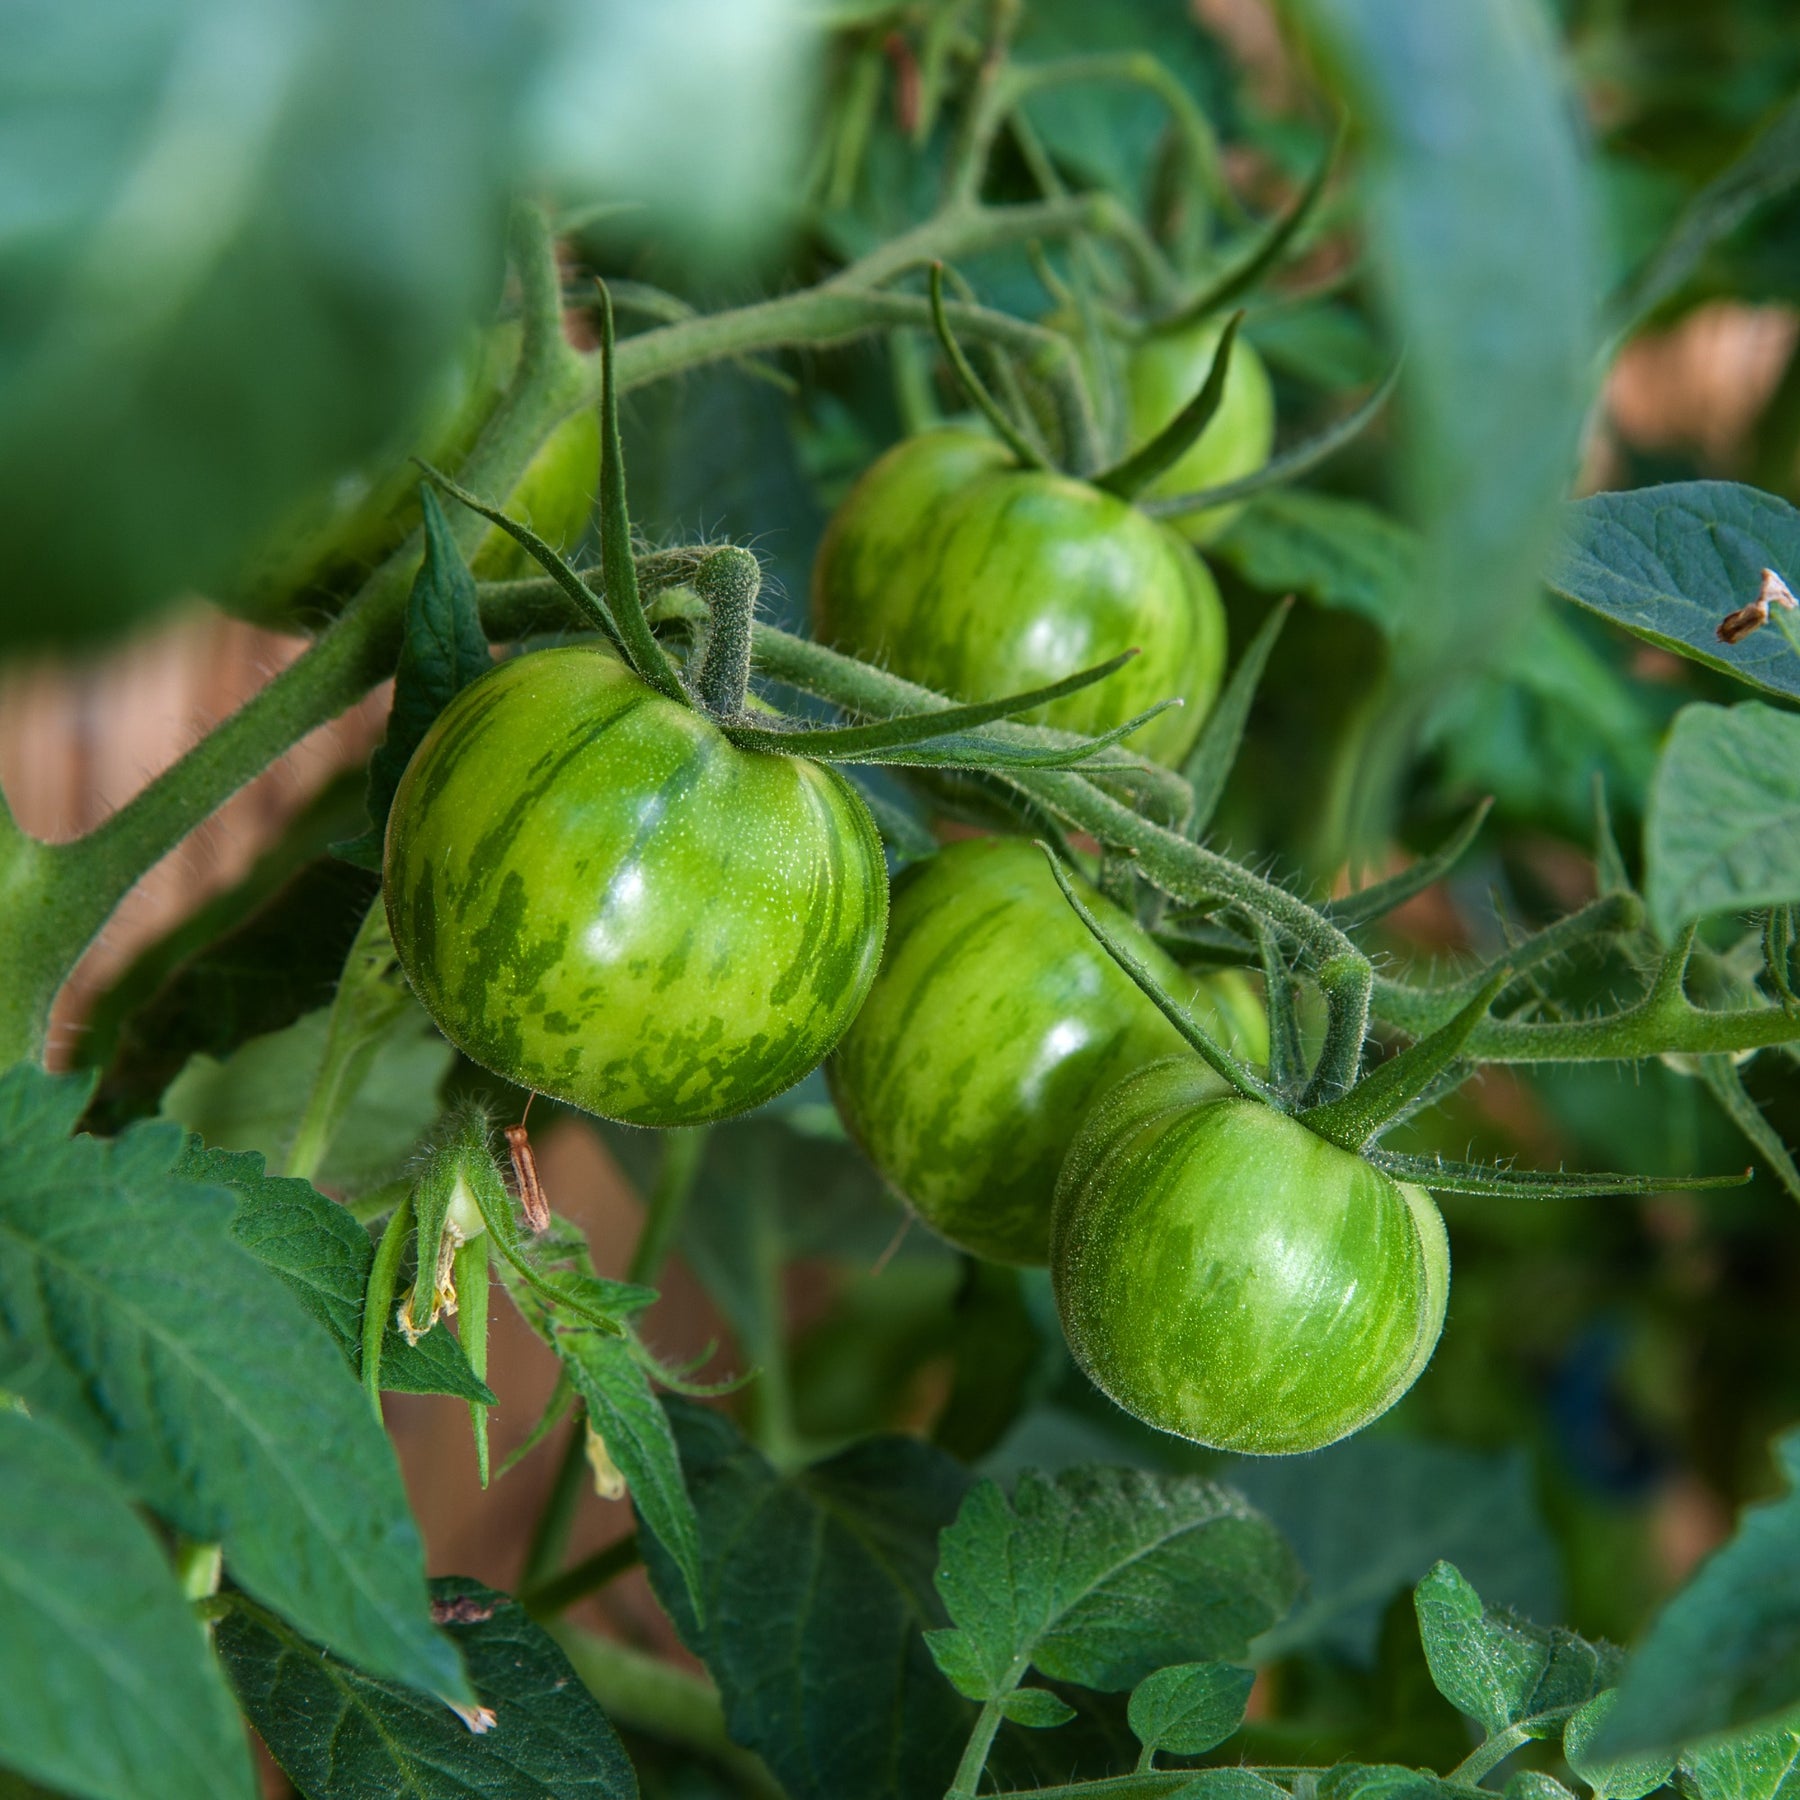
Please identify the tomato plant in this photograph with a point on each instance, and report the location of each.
(1071, 696)
(994, 1022)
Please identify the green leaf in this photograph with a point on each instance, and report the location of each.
(1611, 1777)
(1534, 1784)
(625, 1412)
(109, 1688)
(1762, 1764)
(816, 1584)
(1383, 1781)
(1338, 553)
(1478, 217)
(257, 1097)
(1725, 1651)
(323, 1255)
(1099, 1576)
(443, 650)
(1369, 1516)
(127, 1311)
(1723, 829)
(1499, 1668)
(1188, 1708)
(340, 1735)
(1037, 1709)
(1668, 563)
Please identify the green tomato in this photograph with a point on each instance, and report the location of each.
(316, 558)
(995, 1020)
(1229, 1276)
(1162, 374)
(596, 895)
(953, 566)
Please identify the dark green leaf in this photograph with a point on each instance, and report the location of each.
(1668, 563)
(127, 1311)
(1383, 1781)
(1746, 1765)
(443, 650)
(1534, 1784)
(1189, 1707)
(1723, 830)
(816, 1586)
(323, 1255)
(340, 1735)
(1369, 1516)
(1037, 1709)
(109, 1688)
(1099, 1576)
(635, 1430)
(1500, 1668)
(1611, 1777)
(1210, 761)
(1336, 552)
(1725, 1651)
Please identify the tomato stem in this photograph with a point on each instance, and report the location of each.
(729, 581)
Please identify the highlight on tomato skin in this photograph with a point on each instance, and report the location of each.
(1228, 1276)
(995, 1021)
(600, 898)
(953, 566)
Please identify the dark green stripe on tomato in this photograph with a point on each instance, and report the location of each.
(1228, 1276)
(996, 1019)
(598, 897)
(953, 567)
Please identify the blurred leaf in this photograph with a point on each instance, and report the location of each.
(1371, 1515)
(323, 1255)
(444, 648)
(631, 1423)
(1668, 563)
(1723, 829)
(109, 1688)
(1475, 195)
(1188, 1708)
(255, 1098)
(1746, 1765)
(1767, 168)
(1321, 341)
(127, 1312)
(1611, 1778)
(1725, 1651)
(1335, 552)
(340, 1735)
(257, 239)
(1099, 1576)
(1500, 1669)
(817, 1583)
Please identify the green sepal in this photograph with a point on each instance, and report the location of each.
(1129, 478)
(378, 1301)
(1278, 471)
(1216, 749)
(1213, 1053)
(470, 1268)
(1497, 1182)
(1287, 1058)
(1381, 897)
(1727, 1087)
(973, 386)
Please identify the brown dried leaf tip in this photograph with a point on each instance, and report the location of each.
(478, 1718)
(525, 1175)
(464, 1609)
(1736, 626)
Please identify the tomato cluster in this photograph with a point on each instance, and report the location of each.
(601, 894)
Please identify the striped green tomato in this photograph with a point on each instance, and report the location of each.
(951, 565)
(995, 1020)
(1229, 1276)
(1162, 374)
(599, 897)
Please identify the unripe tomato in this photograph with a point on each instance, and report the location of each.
(319, 555)
(995, 1020)
(596, 895)
(1229, 1276)
(1162, 374)
(953, 566)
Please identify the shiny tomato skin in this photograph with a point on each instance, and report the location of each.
(1227, 1275)
(597, 896)
(949, 564)
(1162, 374)
(995, 1021)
